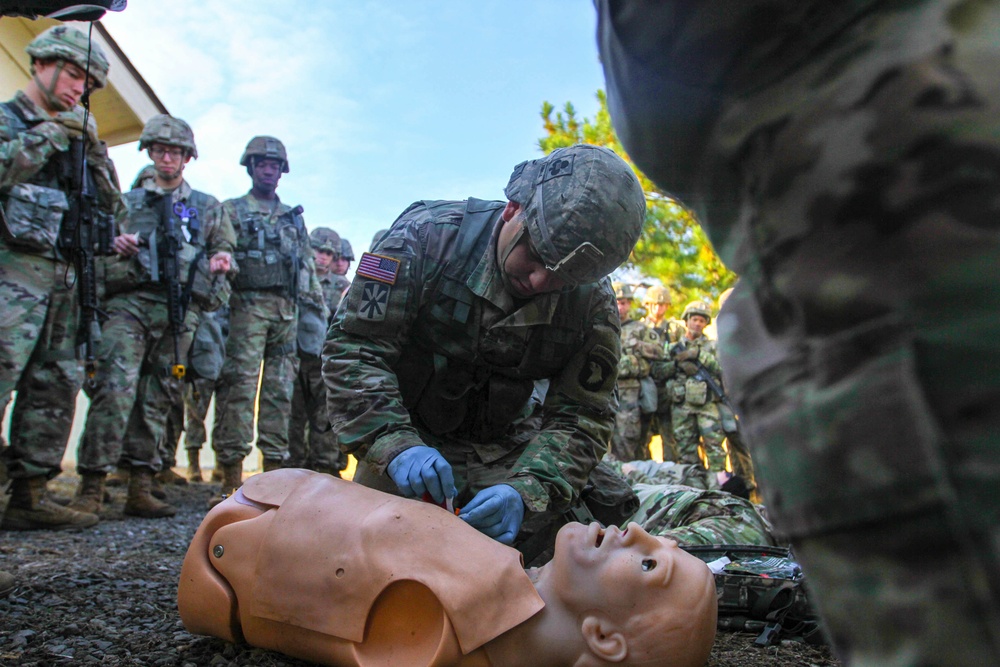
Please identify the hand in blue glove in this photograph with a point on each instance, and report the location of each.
(496, 511)
(422, 469)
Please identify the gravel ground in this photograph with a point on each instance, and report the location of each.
(107, 596)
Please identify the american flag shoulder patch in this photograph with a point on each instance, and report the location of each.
(378, 267)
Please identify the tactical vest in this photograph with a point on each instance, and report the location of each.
(456, 377)
(267, 254)
(34, 212)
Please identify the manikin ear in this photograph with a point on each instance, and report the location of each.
(603, 639)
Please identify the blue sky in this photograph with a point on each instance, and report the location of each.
(380, 103)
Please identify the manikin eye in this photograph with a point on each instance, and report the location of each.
(648, 564)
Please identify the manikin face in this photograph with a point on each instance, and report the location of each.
(695, 325)
(523, 267)
(324, 259)
(266, 174)
(168, 161)
(71, 84)
(624, 305)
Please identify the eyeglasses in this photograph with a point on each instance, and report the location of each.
(160, 151)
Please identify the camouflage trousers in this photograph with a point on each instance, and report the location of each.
(696, 516)
(261, 350)
(699, 425)
(197, 399)
(38, 322)
(135, 391)
(312, 443)
(627, 442)
(862, 344)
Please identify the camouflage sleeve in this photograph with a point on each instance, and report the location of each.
(632, 366)
(365, 341)
(310, 289)
(219, 233)
(23, 155)
(578, 417)
(710, 360)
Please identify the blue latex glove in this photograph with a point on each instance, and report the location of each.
(422, 468)
(496, 511)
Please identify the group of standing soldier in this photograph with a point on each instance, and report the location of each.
(144, 287)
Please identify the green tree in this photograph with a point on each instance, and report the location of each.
(673, 247)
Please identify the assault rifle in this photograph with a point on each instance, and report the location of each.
(296, 259)
(86, 232)
(176, 305)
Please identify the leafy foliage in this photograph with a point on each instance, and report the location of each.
(673, 248)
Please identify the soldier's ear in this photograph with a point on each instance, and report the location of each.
(510, 210)
(603, 639)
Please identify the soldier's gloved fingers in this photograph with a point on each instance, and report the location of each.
(439, 479)
(482, 511)
(406, 470)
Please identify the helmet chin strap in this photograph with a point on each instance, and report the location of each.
(49, 91)
(504, 253)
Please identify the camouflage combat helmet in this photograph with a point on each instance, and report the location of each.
(583, 210)
(169, 131)
(375, 239)
(66, 43)
(265, 147)
(657, 294)
(346, 251)
(623, 290)
(324, 238)
(697, 308)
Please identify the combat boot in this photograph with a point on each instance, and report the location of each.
(168, 476)
(194, 466)
(156, 489)
(29, 509)
(140, 501)
(90, 495)
(232, 479)
(119, 477)
(217, 474)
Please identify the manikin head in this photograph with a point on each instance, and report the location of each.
(636, 599)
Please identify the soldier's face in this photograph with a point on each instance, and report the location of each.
(324, 258)
(523, 267)
(266, 174)
(168, 161)
(341, 265)
(71, 82)
(696, 324)
(624, 305)
(657, 310)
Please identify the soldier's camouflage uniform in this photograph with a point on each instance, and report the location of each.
(641, 347)
(445, 357)
(312, 443)
(695, 410)
(666, 472)
(137, 347)
(38, 297)
(263, 326)
(199, 391)
(845, 160)
(661, 422)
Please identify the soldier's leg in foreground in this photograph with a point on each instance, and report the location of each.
(871, 394)
(281, 365)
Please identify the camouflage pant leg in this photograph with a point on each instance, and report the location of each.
(26, 286)
(298, 420)
(323, 449)
(627, 443)
(42, 416)
(172, 433)
(693, 516)
(281, 365)
(197, 398)
(866, 359)
(699, 425)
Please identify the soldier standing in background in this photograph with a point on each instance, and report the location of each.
(276, 272)
(696, 410)
(311, 440)
(431, 361)
(174, 252)
(657, 301)
(40, 130)
(341, 265)
(641, 348)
